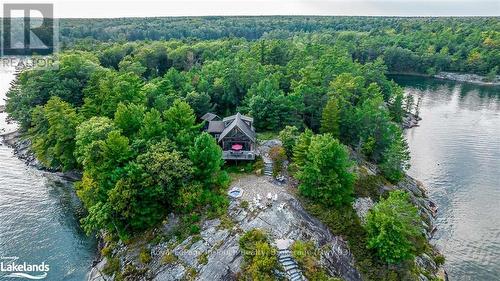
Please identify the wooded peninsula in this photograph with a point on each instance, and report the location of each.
(124, 108)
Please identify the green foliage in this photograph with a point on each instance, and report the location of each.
(206, 156)
(180, 124)
(439, 259)
(96, 128)
(37, 86)
(330, 118)
(168, 258)
(126, 113)
(396, 157)
(129, 118)
(278, 155)
(467, 44)
(325, 174)
(106, 89)
(152, 128)
(369, 186)
(112, 266)
(53, 134)
(200, 102)
(259, 256)
(269, 106)
(203, 258)
(288, 137)
(307, 257)
(145, 256)
(345, 222)
(301, 148)
(392, 225)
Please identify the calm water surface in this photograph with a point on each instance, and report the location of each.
(39, 215)
(456, 154)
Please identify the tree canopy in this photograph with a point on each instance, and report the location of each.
(392, 226)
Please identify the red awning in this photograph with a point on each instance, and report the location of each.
(237, 147)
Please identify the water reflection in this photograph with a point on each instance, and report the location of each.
(456, 153)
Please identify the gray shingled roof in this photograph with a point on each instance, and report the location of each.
(215, 127)
(238, 122)
(243, 117)
(209, 117)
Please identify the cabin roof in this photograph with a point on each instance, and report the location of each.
(242, 117)
(210, 117)
(240, 124)
(215, 127)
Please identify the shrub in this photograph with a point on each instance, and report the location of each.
(278, 155)
(307, 257)
(226, 222)
(194, 229)
(168, 258)
(288, 137)
(145, 256)
(369, 186)
(203, 258)
(106, 251)
(439, 260)
(259, 256)
(244, 204)
(112, 266)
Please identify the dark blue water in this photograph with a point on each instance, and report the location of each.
(39, 216)
(456, 154)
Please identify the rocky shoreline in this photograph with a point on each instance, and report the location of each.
(22, 150)
(454, 76)
(468, 78)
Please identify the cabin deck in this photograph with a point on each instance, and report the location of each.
(238, 155)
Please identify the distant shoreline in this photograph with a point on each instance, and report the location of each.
(454, 76)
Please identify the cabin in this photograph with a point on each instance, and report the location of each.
(235, 134)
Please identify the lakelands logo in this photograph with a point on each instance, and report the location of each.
(10, 267)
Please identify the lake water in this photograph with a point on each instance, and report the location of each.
(39, 215)
(456, 153)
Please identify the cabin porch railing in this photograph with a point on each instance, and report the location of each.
(238, 155)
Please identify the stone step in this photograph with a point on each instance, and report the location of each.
(290, 268)
(285, 258)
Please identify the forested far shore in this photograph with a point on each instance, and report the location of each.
(416, 44)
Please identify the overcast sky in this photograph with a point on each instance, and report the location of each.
(148, 8)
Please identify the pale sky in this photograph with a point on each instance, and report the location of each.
(150, 8)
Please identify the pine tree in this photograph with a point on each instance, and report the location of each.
(206, 156)
(330, 118)
(325, 175)
(301, 147)
(392, 224)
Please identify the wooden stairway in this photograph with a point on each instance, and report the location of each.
(268, 169)
(291, 268)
